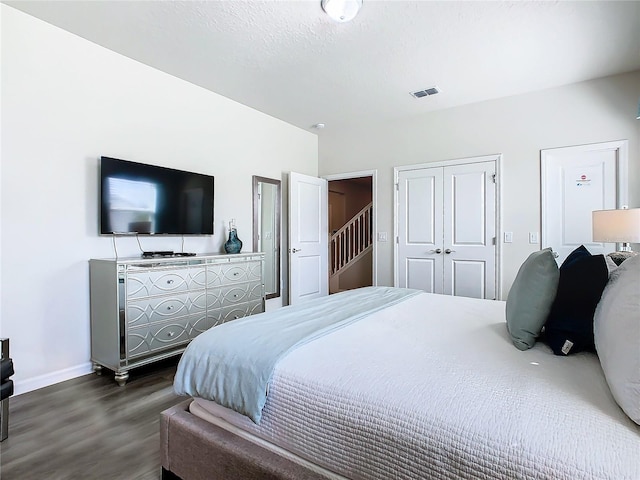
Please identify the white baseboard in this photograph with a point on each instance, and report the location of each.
(24, 386)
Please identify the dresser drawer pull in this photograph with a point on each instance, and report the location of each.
(235, 295)
(235, 274)
(171, 334)
(169, 282)
(170, 307)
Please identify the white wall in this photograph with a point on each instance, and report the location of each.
(66, 102)
(518, 127)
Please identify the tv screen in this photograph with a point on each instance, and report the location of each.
(147, 199)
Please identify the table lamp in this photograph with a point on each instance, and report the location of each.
(619, 226)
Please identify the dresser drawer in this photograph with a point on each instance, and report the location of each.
(199, 324)
(158, 309)
(224, 274)
(147, 283)
(235, 312)
(159, 336)
(234, 294)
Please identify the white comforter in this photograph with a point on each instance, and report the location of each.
(433, 388)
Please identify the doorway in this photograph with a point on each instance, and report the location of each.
(575, 182)
(351, 230)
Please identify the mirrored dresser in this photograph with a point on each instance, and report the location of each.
(145, 310)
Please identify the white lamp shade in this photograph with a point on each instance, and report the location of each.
(619, 226)
(341, 10)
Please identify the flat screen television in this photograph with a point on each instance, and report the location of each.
(136, 198)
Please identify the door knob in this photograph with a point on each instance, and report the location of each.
(448, 251)
(437, 250)
(294, 250)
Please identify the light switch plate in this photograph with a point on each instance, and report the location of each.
(508, 237)
(533, 237)
(382, 236)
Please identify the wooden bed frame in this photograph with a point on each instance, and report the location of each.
(193, 449)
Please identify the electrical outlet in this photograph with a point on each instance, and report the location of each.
(382, 236)
(533, 237)
(508, 237)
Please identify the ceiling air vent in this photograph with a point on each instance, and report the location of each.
(426, 92)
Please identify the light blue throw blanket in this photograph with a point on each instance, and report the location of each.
(232, 363)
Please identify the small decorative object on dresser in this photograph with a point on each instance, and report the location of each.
(144, 310)
(234, 244)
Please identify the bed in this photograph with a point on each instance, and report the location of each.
(430, 386)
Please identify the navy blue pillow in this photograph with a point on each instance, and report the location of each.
(569, 326)
(577, 254)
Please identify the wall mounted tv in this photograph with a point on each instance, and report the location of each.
(136, 198)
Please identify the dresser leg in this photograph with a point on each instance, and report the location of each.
(97, 369)
(122, 377)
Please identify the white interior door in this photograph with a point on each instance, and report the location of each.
(420, 243)
(446, 224)
(470, 230)
(308, 238)
(576, 181)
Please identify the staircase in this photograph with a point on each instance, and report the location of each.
(349, 244)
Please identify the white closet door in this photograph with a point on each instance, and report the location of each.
(446, 224)
(469, 230)
(420, 229)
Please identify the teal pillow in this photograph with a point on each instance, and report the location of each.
(530, 298)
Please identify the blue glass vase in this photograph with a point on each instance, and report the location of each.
(234, 244)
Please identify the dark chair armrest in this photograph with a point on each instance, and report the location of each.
(6, 389)
(6, 369)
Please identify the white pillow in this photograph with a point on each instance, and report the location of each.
(617, 335)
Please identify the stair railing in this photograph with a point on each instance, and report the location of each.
(352, 240)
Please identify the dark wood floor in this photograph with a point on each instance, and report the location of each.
(89, 428)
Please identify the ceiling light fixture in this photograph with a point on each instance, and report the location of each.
(341, 10)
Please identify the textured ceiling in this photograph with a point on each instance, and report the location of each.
(289, 60)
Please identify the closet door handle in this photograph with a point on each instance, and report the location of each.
(448, 251)
(437, 250)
